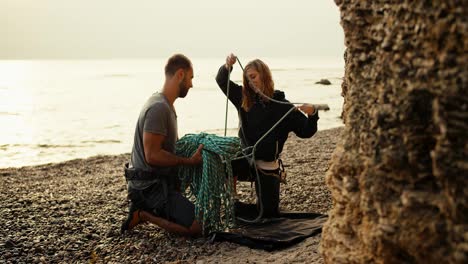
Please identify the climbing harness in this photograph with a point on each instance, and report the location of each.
(161, 180)
(254, 164)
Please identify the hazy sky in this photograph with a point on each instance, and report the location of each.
(101, 29)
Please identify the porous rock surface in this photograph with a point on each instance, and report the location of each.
(399, 175)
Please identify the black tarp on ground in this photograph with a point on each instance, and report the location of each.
(271, 233)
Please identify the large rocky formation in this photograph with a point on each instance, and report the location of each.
(399, 177)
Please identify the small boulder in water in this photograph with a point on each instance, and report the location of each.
(324, 82)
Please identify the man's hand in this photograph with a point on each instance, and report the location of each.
(197, 156)
(230, 60)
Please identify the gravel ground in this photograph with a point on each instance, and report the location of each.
(71, 212)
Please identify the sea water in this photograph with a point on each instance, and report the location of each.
(56, 110)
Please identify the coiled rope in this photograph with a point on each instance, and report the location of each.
(212, 183)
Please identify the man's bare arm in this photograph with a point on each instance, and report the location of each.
(155, 155)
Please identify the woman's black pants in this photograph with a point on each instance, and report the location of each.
(267, 187)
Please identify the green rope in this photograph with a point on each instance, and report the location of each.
(227, 102)
(212, 183)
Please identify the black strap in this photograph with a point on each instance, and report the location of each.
(133, 174)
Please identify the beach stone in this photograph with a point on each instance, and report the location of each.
(324, 82)
(9, 243)
(399, 177)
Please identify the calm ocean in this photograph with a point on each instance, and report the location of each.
(52, 111)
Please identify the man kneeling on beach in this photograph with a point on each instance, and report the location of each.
(152, 173)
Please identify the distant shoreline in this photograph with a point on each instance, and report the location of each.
(231, 132)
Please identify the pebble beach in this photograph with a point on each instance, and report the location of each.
(71, 212)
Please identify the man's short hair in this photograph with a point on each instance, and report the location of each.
(176, 62)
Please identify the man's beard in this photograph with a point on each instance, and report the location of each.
(183, 90)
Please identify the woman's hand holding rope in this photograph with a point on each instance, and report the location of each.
(230, 60)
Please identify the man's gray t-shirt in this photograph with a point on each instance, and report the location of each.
(158, 117)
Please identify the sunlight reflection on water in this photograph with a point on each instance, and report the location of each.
(59, 110)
